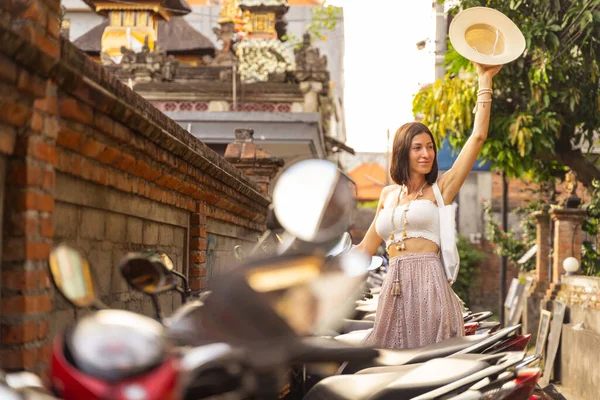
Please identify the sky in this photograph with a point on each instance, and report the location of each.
(383, 67)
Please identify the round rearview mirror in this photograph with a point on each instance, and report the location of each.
(166, 260)
(148, 272)
(238, 253)
(72, 276)
(376, 262)
(342, 246)
(314, 201)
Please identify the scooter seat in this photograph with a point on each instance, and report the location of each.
(393, 385)
(370, 317)
(367, 309)
(351, 325)
(390, 357)
(403, 369)
(366, 303)
(480, 316)
(354, 338)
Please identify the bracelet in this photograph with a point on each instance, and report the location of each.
(484, 91)
(480, 101)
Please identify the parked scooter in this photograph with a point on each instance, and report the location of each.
(109, 354)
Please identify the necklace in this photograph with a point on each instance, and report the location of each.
(396, 289)
(403, 235)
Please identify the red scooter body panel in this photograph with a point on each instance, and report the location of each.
(471, 328)
(159, 383)
(517, 343)
(526, 381)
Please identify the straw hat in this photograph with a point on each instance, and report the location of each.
(486, 36)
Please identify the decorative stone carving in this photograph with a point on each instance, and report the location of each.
(226, 34)
(244, 135)
(149, 66)
(310, 65)
(573, 201)
(311, 91)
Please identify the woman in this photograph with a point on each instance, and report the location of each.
(417, 306)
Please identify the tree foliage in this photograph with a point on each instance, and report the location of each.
(546, 109)
(590, 257)
(515, 242)
(470, 259)
(324, 20)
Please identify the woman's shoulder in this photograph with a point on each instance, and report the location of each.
(390, 188)
(387, 190)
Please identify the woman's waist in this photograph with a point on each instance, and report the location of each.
(410, 255)
(398, 236)
(412, 245)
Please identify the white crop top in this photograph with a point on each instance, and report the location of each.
(422, 216)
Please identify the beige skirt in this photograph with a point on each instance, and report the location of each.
(417, 306)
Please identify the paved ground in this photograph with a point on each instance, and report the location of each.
(560, 393)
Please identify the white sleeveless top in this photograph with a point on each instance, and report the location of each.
(422, 216)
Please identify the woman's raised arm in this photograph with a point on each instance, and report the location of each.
(451, 182)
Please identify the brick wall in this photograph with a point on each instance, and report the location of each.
(520, 192)
(87, 161)
(484, 293)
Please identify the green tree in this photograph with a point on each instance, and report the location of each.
(590, 257)
(546, 103)
(324, 20)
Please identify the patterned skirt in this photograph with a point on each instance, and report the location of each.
(417, 305)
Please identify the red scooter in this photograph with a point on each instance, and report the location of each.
(109, 354)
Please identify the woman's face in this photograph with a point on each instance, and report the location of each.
(422, 154)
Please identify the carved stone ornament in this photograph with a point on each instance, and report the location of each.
(310, 65)
(573, 201)
(225, 34)
(149, 66)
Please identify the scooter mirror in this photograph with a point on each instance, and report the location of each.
(314, 201)
(147, 272)
(342, 246)
(376, 262)
(72, 276)
(238, 253)
(166, 260)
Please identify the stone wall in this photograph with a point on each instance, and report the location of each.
(90, 162)
(577, 365)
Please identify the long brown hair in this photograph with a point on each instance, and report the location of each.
(400, 167)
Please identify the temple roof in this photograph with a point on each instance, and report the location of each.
(174, 36)
(174, 7)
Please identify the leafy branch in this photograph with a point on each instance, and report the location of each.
(324, 20)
